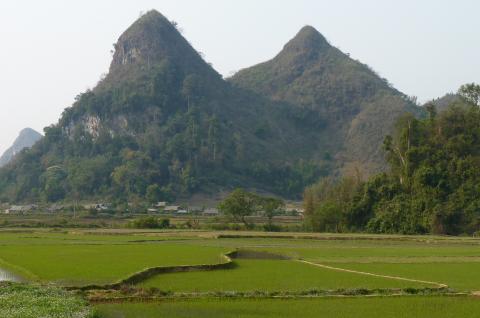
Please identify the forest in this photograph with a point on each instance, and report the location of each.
(431, 186)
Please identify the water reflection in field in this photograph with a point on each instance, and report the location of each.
(6, 276)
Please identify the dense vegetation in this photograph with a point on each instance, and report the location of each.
(432, 185)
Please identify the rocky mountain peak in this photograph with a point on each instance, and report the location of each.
(152, 39)
(307, 39)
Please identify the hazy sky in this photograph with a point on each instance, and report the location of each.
(51, 50)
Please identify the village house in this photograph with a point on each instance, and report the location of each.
(21, 208)
(194, 209)
(161, 205)
(97, 206)
(171, 208)
(210, 212)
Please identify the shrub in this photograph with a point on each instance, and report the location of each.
(149, 222)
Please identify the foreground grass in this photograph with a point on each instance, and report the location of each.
(23, 301)
(385, 307)
(269, 275)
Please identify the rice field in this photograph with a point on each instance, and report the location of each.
(385, 307)
(461, 276)
(289, 266)
(73, 260)
(270, 275)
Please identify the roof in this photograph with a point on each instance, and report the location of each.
(211, 211)
(20, 208)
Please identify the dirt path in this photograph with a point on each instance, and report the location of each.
(438, 285)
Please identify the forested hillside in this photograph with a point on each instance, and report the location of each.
(355, 106)
(432, 185)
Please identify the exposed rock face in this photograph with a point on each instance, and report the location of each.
(26, 139)
(92, 125)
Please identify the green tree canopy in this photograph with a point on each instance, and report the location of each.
(239, 205)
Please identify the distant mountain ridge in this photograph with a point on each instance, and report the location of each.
(163, 123)
(26, 139)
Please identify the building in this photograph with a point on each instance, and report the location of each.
(98, 206)
(161, 204)
(21, 208)
(193, 209)
(210, 212)
(55, 207)
(171, 208)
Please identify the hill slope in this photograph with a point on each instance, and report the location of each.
(26, 139)
(162, 124)
(357, 107)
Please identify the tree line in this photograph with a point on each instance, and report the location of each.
(432, 184)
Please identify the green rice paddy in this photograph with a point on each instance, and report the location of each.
(385, 307)
(462, 276)
(269, 275)
(79, 258)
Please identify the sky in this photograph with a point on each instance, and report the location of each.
(52, 50)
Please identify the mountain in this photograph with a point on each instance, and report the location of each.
(26, 139)
(357, 107)
(164, 124)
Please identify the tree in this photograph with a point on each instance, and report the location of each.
(329, 204)
(329, 217)
(154, 193)
(431, 110)
(54, 181)
(192, 88)
(470, 93)
(239, 205)
(149, 222)
(270, 207)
